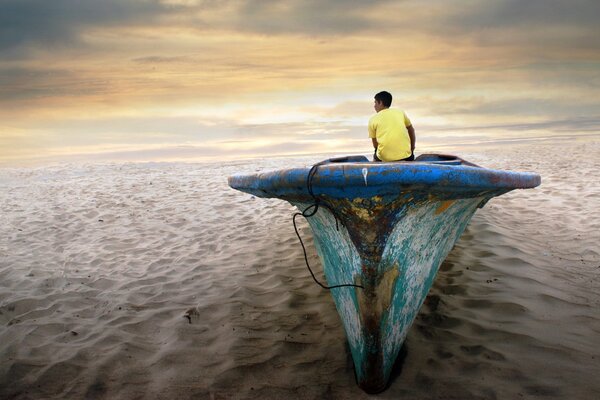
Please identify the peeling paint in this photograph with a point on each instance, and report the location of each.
(444, 206)
(395, 230)
(395, 247)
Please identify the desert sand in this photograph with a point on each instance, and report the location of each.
(158, 281)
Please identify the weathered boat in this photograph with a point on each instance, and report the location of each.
(385, 228)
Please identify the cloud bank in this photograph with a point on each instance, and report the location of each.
(86, 73)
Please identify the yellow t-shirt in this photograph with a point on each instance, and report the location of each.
(388, 126)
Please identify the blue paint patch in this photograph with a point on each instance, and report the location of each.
(398, 222)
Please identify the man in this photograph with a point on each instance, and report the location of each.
(391, 131)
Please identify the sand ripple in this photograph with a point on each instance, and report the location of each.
(156, 280)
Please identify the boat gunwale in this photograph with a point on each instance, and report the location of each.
(389, 177)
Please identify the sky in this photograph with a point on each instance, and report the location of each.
(227, 79)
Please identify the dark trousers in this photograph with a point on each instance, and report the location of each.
(409, 158)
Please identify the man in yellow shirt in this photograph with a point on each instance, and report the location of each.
(391, 131)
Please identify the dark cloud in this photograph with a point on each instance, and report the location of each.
(496, 20)
(507, 13)
(44, 23)
(23, 84)
(58, 23)
(544, 24)
(310, 17)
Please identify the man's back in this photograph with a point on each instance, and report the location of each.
(388, 126)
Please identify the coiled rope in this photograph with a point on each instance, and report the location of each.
(310, 211)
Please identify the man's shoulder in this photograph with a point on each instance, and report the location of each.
(396, 111)
(385, 115)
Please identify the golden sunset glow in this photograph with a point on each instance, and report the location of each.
(146, 79)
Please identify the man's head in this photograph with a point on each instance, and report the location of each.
(383, 100)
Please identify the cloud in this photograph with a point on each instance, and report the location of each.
(40, 83)
(311, 17)
(58, 23)
(518, 106)
(165, 60)
(525, 14)
(553, 23)
(427, 33)
(129, 72)
(42, 24)
(567, 125)
(541, 27)
(346, 110)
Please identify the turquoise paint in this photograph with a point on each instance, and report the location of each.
(398, 222)
(416, 246)
(342, 264)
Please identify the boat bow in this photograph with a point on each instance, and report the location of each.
(398, 222)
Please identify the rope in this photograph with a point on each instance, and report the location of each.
(306, 214)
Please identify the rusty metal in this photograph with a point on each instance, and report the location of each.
(398, 223)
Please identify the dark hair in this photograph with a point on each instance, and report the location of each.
(385, 98)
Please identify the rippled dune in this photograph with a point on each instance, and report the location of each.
(156, 280)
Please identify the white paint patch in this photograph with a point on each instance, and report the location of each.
(429, 244)
(341, 264)
(365, 172)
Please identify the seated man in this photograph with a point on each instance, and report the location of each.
(391, 131)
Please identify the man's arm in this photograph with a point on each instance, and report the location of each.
(375, 144)
(413, 138)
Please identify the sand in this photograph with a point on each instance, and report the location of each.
(157, 281)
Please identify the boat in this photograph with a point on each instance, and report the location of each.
(382, 230)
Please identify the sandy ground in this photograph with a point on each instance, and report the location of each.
(155, 280)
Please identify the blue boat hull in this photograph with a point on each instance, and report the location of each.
(398, 223)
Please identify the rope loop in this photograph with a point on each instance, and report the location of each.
(307, 214)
